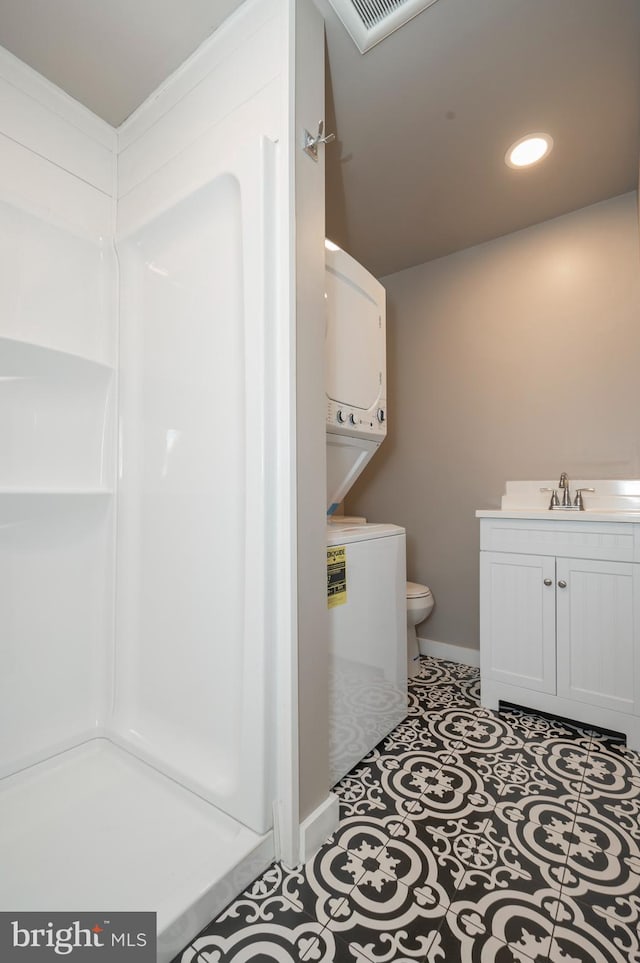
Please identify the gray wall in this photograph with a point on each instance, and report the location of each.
(515, 359)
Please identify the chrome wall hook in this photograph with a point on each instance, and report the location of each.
(311, 141)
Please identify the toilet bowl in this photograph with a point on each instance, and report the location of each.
(419, 607)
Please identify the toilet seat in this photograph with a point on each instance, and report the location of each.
(417, 591)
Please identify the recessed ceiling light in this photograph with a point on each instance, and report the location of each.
(528, 150)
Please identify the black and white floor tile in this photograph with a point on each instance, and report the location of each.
(466, 836)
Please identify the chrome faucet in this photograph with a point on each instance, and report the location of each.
(566, 504)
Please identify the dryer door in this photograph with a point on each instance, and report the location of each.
(355, 341)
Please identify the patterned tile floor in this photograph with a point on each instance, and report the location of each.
(466, 835)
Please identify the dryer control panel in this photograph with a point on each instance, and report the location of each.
(346, 420)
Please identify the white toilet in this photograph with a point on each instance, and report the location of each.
(419, 607)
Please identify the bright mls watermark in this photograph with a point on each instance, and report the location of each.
(78, 936)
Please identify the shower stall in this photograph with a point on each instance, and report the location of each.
(146, 335)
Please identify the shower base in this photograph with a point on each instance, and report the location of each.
(96, 829)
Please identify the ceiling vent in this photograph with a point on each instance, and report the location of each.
(370, 21)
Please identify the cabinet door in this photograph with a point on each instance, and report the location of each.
(597, 613)
(517, 620)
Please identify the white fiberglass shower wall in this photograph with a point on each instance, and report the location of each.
(57, 397)
(196, 242)
(146, 560)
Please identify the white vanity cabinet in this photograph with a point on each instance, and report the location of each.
(560, 618)
(518, 620)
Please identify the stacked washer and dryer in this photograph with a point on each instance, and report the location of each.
(373, 610)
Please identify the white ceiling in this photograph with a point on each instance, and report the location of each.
(422, 120)
(108, 54)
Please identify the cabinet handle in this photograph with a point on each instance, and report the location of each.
(562, 583)
(548, 581)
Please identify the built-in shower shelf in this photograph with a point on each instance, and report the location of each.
(69, 508)
(48, 492)
(56, 420)
(21, 359)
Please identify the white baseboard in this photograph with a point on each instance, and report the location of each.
(317, 826)
(450, 651)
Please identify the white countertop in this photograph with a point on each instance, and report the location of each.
(557, 515)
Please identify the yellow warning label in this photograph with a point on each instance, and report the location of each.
(336, 576)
